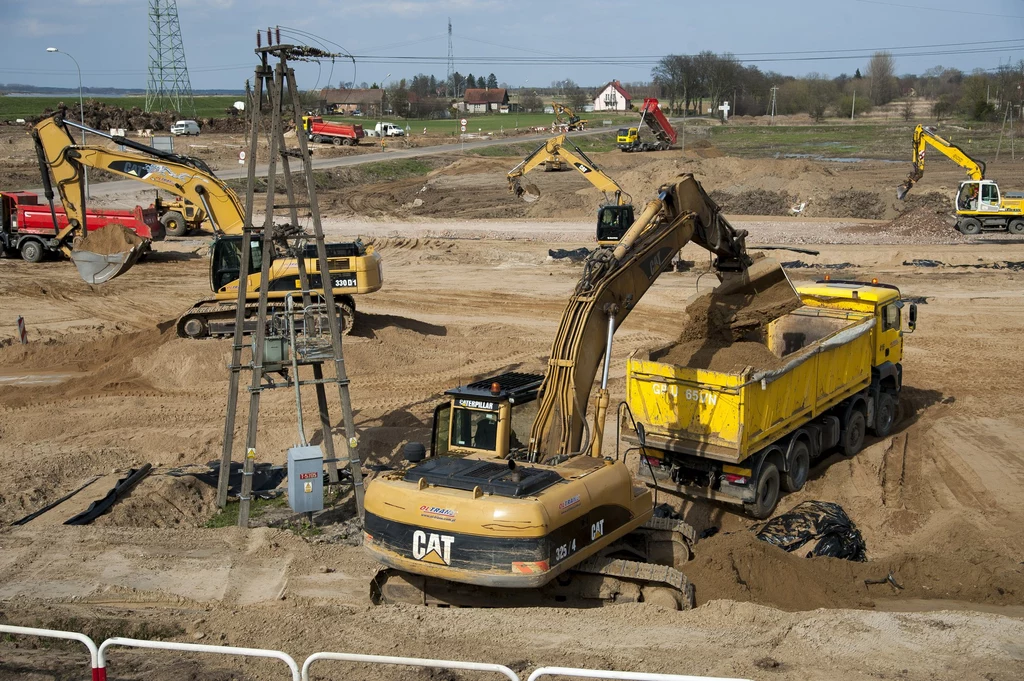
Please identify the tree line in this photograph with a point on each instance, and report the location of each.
(698, 84)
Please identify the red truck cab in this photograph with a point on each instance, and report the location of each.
(26, 225)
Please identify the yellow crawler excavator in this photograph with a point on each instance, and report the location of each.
(517, 503)
(354, 267)
(614, 217)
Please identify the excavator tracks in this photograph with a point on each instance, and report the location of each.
(594, 582)
(216, 319)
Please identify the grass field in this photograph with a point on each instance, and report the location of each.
(481, 123)
(877, 141)
(12, 108)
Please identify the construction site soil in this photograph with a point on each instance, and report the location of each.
(104, 385)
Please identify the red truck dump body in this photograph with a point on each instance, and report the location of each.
(27, 225)
(320, 130)
(655, 119)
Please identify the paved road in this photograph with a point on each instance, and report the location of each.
(103, 188)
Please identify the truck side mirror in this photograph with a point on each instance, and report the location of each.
(641, 435)
(912, 317)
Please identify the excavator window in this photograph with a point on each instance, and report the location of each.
(474, 428)
(226, 264)
(990, 194)
(613, 221)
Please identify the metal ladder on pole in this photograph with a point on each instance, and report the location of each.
(278, 82)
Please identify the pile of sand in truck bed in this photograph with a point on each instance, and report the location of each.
(109, 239)
(725, 331)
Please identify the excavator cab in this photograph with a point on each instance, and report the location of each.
(489, 417)
(226, 263)
(612, 222)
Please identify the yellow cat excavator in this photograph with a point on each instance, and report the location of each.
(614, 217)
(354, 267)
(514, 510)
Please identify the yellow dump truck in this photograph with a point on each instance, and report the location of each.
(741, 437)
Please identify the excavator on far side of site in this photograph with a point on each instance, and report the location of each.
(566, 119)
(354, 267)
(513, 510)
(979, 205)
(614, 217)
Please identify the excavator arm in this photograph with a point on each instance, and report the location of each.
(613, 282)
(189, 178)
(559, 147)
(924, 136)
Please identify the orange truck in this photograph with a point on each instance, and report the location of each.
(318, 130)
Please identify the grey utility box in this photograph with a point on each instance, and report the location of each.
(305, 479)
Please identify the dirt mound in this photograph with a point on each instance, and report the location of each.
(715, 356)
(755, 202)
(163, 501)
(741, 567)
(110, 239)
(851, 203)
(728, 317)
(920, 222)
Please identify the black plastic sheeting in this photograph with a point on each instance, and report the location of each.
(101, 506)
(574, 255)
(816, 528)
(265, 478)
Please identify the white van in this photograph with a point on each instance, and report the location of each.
(185, 128)
(389, 130)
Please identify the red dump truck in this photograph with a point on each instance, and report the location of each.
(329, 132)
(26, 225)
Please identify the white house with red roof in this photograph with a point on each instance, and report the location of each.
(612, 98)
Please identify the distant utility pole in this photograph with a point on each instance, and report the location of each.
(853, 108)
(771, 105)
(168, 86)
(449, 84)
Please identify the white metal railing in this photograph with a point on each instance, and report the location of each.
(197, 648)
(627, 676)
(408, 661)
(94, 655)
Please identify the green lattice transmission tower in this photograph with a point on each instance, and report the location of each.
(168, 87)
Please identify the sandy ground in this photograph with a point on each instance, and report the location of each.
(110, 387)
(104, 385)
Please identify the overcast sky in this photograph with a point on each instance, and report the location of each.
(520, 41)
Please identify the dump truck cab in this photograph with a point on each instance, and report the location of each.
(627, 136)
(489, 417)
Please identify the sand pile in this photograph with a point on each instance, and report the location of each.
(110, 239)
(725, 331)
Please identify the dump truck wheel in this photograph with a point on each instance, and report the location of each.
(32, 251)
(885, 415)
(317, 139)
(174, 223)
(1016, 227)
(970, 226)
(337, 141)
(852, 438)
(799, 467)
(346, 141)
(767, 492)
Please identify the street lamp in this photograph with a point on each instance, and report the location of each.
(81, 110)
(382, 93)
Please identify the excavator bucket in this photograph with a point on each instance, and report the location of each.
(107, 253)
(902, 190)
(527, 192)
(763, 274)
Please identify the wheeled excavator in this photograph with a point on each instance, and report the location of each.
(567, 120)
(354, 267)
(979, 205)
(614, 217)
(517, 503)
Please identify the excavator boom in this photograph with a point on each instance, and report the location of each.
(924, 136)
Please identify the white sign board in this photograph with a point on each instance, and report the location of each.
(463, 128)
(463, 122)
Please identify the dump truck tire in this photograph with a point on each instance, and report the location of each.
(799, 467)
(851, 440)
(767, 492)
(32, 251)
(885, 415)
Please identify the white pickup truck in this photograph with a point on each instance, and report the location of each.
(388, 130)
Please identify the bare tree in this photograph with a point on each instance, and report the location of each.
(882, 72)
(821, 92)
(908, 109)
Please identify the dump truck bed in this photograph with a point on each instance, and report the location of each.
(728, 416)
